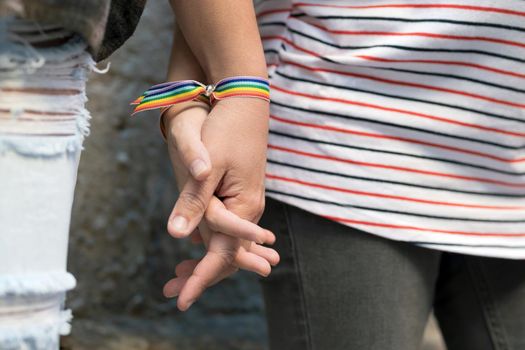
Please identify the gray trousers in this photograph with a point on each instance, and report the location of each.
(338, 287)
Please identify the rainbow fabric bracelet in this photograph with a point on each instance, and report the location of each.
(170, 93)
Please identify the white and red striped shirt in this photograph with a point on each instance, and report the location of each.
(405, 119)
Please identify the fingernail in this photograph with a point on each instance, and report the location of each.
(264, 274)
(171, 295)
(179, 223)
(197, 167)
(190, 303)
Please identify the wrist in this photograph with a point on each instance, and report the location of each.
(216, 68)
(168, 114)
(251, 109)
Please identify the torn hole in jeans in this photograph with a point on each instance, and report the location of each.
(42, 89)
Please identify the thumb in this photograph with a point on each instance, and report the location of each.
(184, 137)
(191, 205)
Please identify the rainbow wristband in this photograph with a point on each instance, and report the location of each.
(170, 93)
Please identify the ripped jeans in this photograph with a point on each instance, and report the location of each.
(43, 123)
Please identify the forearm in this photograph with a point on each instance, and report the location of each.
(183, 65)
(223, 36)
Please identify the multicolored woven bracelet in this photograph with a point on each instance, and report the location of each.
(170, 93)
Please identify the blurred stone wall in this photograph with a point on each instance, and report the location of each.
(120, 251)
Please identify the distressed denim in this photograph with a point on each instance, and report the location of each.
(339, 288)
(43, 123)
(105, 24)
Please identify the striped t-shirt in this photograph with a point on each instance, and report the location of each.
(405, 119)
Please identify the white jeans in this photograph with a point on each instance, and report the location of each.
(43, 123)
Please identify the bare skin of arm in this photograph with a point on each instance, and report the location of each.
(223, 36)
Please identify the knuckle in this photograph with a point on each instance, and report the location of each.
(192, 202)
(184, 148)
(226, 256)
(211, 218)
(256, 206)
(172, 137)
(262, 204)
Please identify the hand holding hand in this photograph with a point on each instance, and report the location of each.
(226, 189)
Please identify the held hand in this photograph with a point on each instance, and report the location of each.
(235, 134)
(224, 256)
(184, 125)
(184, 139)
